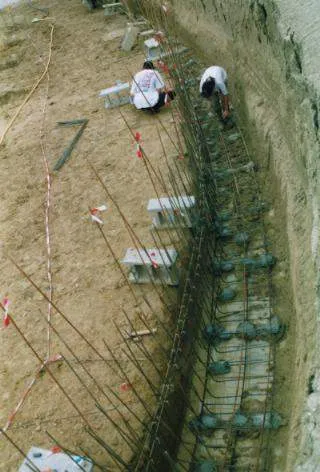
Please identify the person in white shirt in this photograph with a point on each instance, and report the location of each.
(214, 80)
(148, 89)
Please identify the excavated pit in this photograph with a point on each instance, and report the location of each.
(274, 87)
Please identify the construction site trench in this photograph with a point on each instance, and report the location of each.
(203, 356)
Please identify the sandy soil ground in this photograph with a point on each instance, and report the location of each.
(87, 284)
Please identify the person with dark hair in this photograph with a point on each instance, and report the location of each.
(148, 65)
(148, 90)
(213, 83)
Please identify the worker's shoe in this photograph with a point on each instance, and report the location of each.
(227, 123)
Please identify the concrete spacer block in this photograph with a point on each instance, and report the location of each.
(117, 95)
(130, 38)
(44, 459)
(152, 265)
(152, 49)
(171, 211)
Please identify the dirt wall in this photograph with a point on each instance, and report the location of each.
(268, 49)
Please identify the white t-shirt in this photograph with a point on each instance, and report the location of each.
(145, 87)
(220, 77)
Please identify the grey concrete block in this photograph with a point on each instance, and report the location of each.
(44, 459)
(117, 95)
(152, 49)
(152, 265)
(130, 38)
(171, 211)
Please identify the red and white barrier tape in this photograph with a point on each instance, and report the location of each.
(95, 213)
(155, 265)
(25, 394)
(6, 317)
(137, 138)
(46, 219)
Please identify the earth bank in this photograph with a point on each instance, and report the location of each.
(269, 49)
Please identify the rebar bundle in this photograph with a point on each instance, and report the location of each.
(227, 355)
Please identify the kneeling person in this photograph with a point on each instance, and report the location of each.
(214, 80)
(148, 89)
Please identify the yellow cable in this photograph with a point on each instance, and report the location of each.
(31, 91)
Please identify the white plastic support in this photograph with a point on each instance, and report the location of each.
(152, 265)
(171, 211)
(117, 95)
(45, 459)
